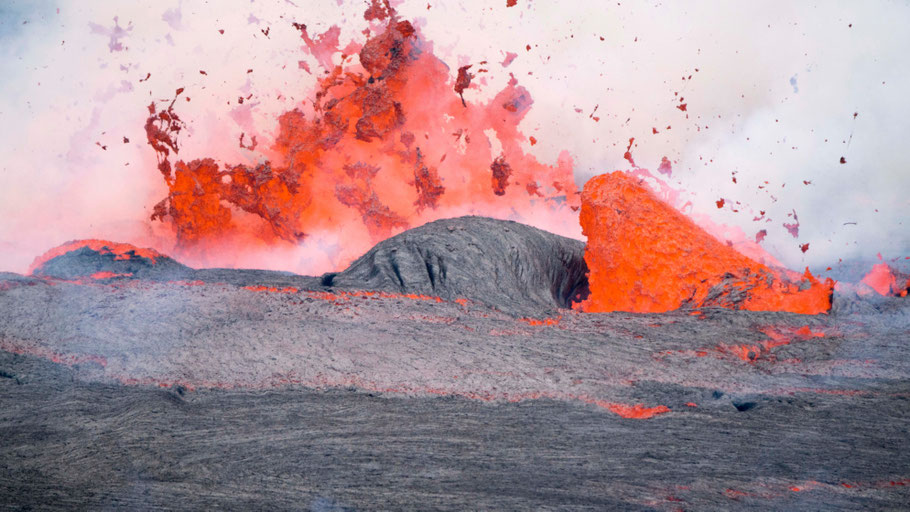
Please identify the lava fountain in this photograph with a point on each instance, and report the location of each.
(391, 143)
(644, 256)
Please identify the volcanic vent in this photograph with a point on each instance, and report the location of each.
(101, 259)
(645, 256)
(454, 325)
(391, 142)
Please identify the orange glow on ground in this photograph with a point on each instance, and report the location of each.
(109, 275)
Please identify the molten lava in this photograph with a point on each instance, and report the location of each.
(120, 251)
(645, 256)
(886, 281)
(390, 143)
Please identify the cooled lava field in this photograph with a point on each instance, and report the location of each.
(447, 368)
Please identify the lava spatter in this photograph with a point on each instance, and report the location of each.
(120, 252)
(393, 110)
(887, 281)
(645, 256)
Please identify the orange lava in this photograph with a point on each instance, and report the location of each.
(119, 250)
(883, 280)
(751, 353)
(271, 289)
(637, 411)
(109, 275)
(778, 338)
(390, 140)
(57, 357)
(545, 321)
(645, 256)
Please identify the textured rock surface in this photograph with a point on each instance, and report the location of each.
(80, 259)
(508, 265)
(513, 267)
(70, 444)
(265, 390)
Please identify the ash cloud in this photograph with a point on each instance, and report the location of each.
(69, 102)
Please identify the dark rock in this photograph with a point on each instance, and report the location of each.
(511, 266)
(743, 406)
(85, 262)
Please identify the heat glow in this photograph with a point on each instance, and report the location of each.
(645, 256)
(884, 281)
(120, 251)
(392, 142)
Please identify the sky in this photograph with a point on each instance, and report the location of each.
(794, 109)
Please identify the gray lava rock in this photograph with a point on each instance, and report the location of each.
(511, 266)
(84, 262)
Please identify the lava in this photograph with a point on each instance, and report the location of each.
(46, 353)
(109, 275)
(542, 322)
(884, 280)
(754, 352)
(645, 256)
(372, 151)
(121, 251)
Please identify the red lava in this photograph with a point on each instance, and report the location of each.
(543, 322)
(109, 275)
(751, 353)
(883, 280)
(391, 143)
(645, 256)
(120, 251)
(57, 357)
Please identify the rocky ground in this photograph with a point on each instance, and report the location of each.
(443, 370)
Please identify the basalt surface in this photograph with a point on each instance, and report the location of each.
(418, 379)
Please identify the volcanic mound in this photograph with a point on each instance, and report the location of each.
(647, 257)
(511, 266)
(515, 268)
(101, 259)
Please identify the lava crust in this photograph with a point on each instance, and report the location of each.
(510, 266)
(442, 370)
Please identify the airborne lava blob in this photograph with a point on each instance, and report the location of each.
(645, 256)
(391, 143)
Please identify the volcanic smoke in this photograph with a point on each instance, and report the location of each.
(392, 143)
(484, 335)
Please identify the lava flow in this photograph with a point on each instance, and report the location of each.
(645, 256)
(392, 142)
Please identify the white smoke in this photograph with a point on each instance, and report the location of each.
(773, 91)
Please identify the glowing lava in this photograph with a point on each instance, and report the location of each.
(645, 256)
(120, 251)
(883, 280)
(391, 142)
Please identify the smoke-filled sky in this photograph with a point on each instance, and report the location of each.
(777, 106)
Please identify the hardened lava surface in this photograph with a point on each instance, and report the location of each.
(244, 390)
